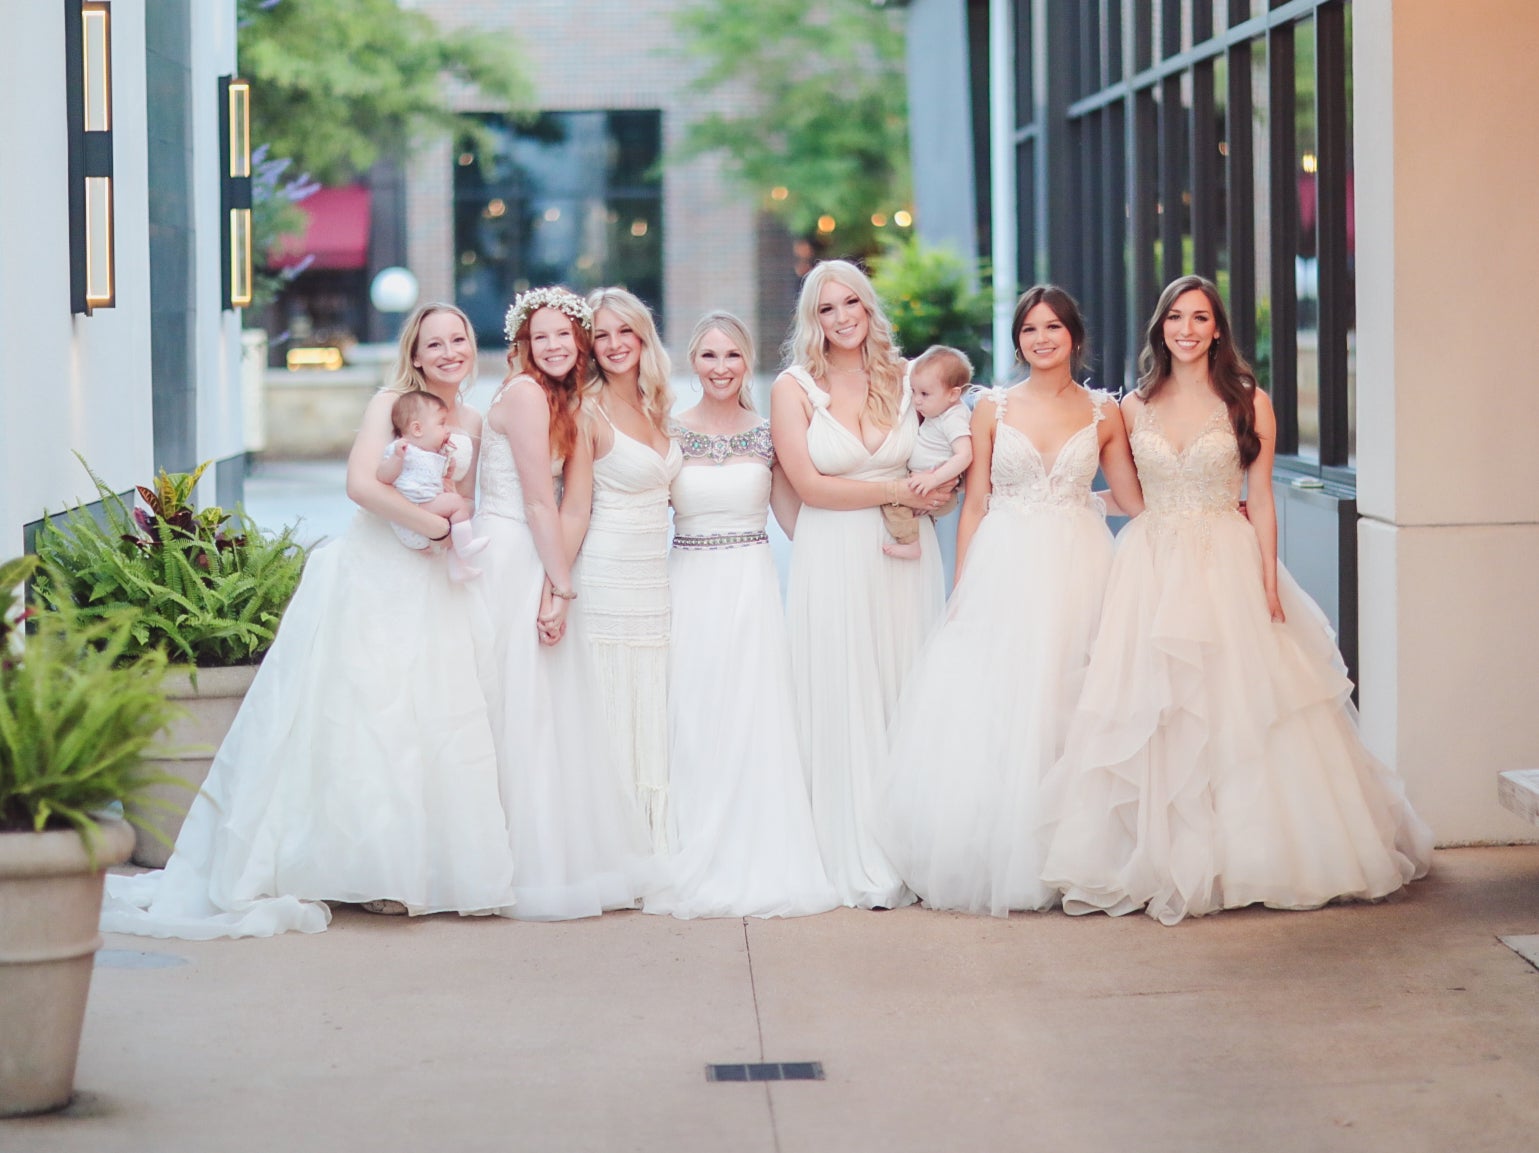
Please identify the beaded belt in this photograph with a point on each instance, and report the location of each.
(722, 540)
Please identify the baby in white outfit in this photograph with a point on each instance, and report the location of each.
(415, 465)
(944, 447)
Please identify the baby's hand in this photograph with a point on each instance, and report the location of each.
(921, 483)
(398, 448)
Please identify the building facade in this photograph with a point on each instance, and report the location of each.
(1355, 176)
(582, 193)
(151, 377)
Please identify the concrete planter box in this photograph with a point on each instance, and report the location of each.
(50, 903)
(211, 707)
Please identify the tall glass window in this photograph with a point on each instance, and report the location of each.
(571, 198)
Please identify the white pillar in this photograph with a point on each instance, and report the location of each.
(1002, 178)
(1448, 469)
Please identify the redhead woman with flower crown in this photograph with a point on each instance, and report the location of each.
(843, 422)
(579, 844)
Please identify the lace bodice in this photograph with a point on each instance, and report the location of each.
(501, 493)
(836, 451)
(1020, 478)
(1203, 478)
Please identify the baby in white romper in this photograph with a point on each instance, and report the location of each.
(415, 465)
(944, 447)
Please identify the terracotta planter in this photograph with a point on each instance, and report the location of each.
(50, 903)
(211, 708)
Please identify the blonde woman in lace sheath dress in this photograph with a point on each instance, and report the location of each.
(1214, 760)
(844, 426)
(622, 568)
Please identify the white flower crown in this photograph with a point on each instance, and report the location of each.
(558, 298)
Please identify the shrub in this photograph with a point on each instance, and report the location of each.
(210, 586)
(930, 301)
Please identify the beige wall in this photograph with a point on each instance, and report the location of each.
(1448, 472)
(604, 55)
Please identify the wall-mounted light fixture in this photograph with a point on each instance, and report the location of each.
(88, 76)
(235, 189)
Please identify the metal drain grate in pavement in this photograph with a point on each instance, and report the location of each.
(767, 1071)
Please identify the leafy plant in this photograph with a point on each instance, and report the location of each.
(210, 586)
(80, 704)
(13, 573)
(930, 300)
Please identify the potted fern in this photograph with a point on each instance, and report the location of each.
(80, 704)
(210, 589)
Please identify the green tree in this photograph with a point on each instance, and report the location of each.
(338, 84)
(930, 300)
(826, 129)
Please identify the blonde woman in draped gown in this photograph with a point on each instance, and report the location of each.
(844, 425)
(620, 523)
(1214, 760)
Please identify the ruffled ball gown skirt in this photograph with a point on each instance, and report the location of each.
(360, 765)
(1215, 760)
(738, 810)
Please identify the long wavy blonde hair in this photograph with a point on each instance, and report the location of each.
(656, 396)
(735, 331)
(880, 356)
(408, 377)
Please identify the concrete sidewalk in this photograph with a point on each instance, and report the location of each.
(1401, 1026)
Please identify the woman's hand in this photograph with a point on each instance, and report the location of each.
(1274, 606)
(552, 619)
(925, 502)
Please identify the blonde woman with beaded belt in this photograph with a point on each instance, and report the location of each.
(738, 813)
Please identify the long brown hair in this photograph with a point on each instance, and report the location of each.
(1066, 309)
(1228, 371)
(564, 395)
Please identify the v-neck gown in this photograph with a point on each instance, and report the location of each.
(857, 619)
(961, 811)
(1214, 760)
(622, 577)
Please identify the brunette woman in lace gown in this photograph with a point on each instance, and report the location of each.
(621, 522)
(961, 812)
(1214, 760)
(844, 426)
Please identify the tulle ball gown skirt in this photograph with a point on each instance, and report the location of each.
(360, 765)
(1215, 761)
(985, 712)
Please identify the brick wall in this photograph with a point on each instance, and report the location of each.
(602, 54)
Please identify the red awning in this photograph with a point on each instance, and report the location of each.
(337, 235)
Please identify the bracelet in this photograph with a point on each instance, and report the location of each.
(892, 493)
(449, 528)
(563, 594)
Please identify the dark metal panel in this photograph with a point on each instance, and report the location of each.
(1115, 370)
(1172, 121)
(1331, 227)
(1143, 180)
(1205, 177)
(1239, 133)
(74, 111)
(1285, 236)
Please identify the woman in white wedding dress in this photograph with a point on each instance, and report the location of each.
(738, 812)
(844, 425)
(360, 767)
(623, 531)
(579, 845)
(961, 810)
(1214, 760)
